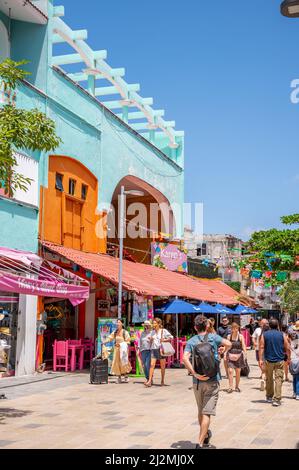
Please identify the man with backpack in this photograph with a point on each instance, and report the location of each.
(205, 371)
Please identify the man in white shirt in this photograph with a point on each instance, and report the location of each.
(256, 341)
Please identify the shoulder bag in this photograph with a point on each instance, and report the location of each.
(166, 349)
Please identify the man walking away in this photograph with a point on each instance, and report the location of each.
(204, 350)
(224, 331)
(273, 347)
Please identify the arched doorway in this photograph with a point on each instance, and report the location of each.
(148, 217)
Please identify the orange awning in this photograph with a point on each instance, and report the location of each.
(146, 279)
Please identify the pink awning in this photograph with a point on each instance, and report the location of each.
(26, 273)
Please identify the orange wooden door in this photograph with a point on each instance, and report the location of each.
(77, 225)
(72, 236)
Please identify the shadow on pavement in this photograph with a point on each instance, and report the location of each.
(183, 445)
(12, 413)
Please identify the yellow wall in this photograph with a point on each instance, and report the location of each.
(65, 219)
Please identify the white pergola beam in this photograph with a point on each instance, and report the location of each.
(58, 11)
(139, 126)
(73, 58)
(140, 114)
(80, 34)
(112, 90)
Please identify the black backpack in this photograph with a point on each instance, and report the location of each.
(204, 361)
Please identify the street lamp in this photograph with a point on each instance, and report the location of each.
(123, 194)
(290, 8)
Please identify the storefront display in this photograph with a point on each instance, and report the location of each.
(135, 333)
(9, 305)
(105, 327)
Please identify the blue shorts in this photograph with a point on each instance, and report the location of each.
(156, 354)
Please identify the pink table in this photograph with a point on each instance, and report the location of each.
(182, 345)
(74, 348)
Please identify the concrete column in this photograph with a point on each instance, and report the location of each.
(89, 316)
(26, 336)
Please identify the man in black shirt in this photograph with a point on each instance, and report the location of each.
(224, 331)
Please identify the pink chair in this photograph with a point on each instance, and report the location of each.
(60, 355)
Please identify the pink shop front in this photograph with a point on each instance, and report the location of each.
(24, 277)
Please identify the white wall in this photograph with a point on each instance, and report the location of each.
(26, 336)
(27, 167)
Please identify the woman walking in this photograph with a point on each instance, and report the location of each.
(144, 347)
(235, 357)
(120, 363)
(159, 335)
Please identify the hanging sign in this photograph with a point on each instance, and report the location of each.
(25, 285)
(168, 256)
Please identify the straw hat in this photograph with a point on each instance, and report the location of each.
(147, 323)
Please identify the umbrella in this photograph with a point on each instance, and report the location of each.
(175, 307)
(205, 308)
(241, 309)
(223, 309)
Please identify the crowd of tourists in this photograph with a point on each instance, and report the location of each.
(276, 348)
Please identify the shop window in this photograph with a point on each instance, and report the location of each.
(59, 182)
(84, 189)
(72, 186)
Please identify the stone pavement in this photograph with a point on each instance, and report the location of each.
(67, 412)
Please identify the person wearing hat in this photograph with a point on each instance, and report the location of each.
(145, 348)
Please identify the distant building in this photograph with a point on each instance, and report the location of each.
(219, 250)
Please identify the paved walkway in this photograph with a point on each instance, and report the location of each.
(68, 412)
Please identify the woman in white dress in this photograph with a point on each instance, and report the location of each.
(158, 336)
(120, 367)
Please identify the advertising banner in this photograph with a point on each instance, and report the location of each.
(50, 288)
(168, 256)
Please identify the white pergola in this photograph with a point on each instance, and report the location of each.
(96, 68)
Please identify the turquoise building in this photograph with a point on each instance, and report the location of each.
(104, 122)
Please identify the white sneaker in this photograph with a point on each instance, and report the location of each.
(297, 397)
(276, 403)
(126, 380)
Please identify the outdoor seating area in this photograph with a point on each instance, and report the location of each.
(72, 354)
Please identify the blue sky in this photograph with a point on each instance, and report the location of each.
(222, 70)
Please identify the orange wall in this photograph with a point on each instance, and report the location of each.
(69, 220)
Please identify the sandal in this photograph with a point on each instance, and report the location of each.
(147, 384)
(237, 389)
(229, 390)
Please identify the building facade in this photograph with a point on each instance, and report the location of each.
(111, 136)
(219, 250)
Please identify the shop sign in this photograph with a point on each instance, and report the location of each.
(168, 256)
(103, 305)
(25, 285)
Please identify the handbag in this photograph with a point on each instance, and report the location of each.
(246, 369)
(294, 367)
(166, 349)
(234, 357)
